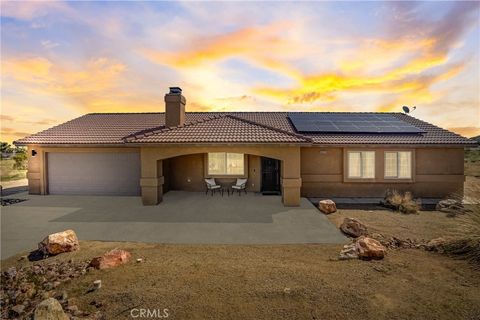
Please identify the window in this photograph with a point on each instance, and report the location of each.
(398, 164)
(223, 163)
(361, 164)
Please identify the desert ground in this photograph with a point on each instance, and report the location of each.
(283, 281)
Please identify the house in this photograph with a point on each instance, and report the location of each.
(312, 154)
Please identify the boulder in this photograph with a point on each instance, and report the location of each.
(349, 251)
(110, 259)
(449, 205)
(327, 206)
(50, 309)
(369, 248)
(353, 227)
(59, 242)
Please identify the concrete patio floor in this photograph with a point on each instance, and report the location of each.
(183, 217)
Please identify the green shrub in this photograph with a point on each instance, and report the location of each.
(20, 161)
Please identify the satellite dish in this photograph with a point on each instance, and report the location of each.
(407, 109)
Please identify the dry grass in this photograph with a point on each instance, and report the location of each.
(403, 203)
(422, 227)
(465, 238)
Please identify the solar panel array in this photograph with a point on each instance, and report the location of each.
(350, 123)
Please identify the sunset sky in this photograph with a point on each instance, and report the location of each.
(60, 60)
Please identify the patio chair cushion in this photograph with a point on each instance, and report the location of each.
(241, 184)
(211, 184)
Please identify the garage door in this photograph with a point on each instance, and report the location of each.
(94, 173)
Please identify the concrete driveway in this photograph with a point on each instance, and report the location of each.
(183, 217)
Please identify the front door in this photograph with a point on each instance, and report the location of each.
(270, 176)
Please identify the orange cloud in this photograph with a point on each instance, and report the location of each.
(96, 75)
(84, 84)
(468, 132)
(252, 43)
(406, 79)
(6, 118)
(10, 134)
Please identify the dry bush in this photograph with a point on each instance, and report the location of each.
(465, 237)
(401, 202)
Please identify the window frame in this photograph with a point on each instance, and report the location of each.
(361, 177)
(225, 174)
(385, 177)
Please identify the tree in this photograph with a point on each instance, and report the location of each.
(5, 147)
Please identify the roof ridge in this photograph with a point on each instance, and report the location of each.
(270, 127)
(159, 129)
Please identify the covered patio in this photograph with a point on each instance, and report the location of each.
(184, 167)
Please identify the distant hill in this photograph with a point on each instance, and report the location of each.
(477, 138)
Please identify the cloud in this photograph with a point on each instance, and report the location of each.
(83, 84)
(47, 44)
(96, 75)
(412, 75)
(28, 10)
(254, 44)
(6, 118)
(468, 132)
(10, 132)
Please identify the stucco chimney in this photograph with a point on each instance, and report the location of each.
(174, 107)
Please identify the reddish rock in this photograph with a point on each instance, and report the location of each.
(369, 248)
(353, 227)
(327, 206)
(59, 242)
(111, 259)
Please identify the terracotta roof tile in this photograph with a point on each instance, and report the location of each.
(231, 127)
(222, 128)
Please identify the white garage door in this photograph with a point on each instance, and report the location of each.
(94, 173)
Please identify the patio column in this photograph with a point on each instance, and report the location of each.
(291, 179)
(151, 180)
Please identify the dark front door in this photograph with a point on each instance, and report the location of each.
(270, 176)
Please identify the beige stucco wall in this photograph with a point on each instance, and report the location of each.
(309, 171)
(437, 173)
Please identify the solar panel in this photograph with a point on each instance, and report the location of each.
(350, 123)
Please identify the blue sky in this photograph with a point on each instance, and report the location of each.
(63, 59)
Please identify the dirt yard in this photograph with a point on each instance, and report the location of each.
(284, 282)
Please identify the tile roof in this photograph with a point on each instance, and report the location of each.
(222, 127)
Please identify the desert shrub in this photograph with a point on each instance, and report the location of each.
(20, 161)
(403, 203)
(464, 240)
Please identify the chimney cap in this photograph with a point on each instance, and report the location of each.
(175, 90)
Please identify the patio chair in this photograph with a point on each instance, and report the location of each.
(240, 185)
(212, 186)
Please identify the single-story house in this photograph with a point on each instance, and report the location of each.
(310, 154)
